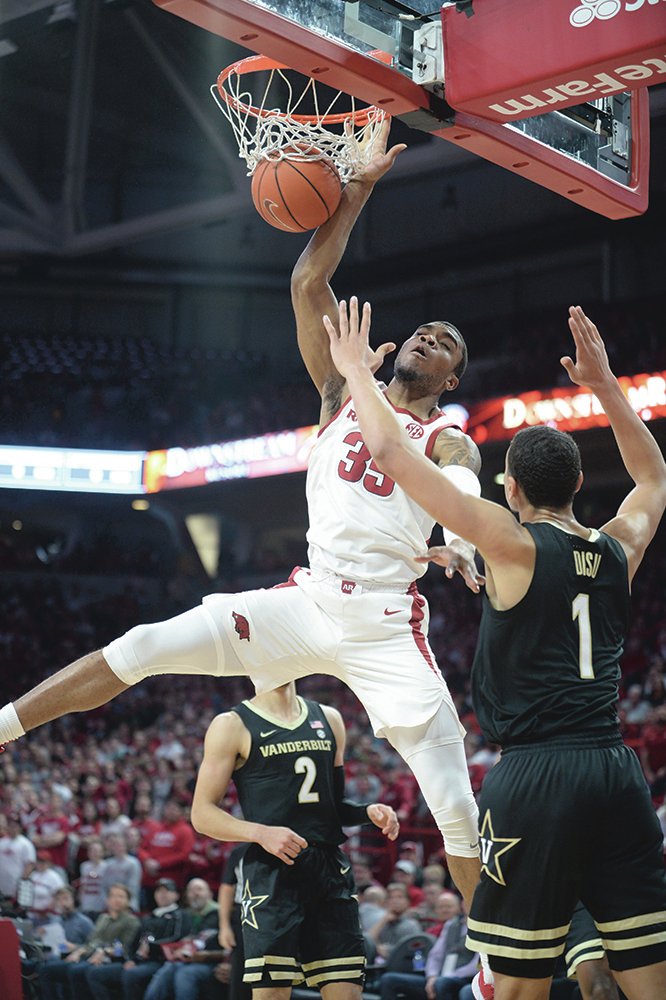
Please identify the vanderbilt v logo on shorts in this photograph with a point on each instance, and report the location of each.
(493, 848)
(249, 903)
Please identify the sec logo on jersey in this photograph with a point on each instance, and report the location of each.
(414, 430)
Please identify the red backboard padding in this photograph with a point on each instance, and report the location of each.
(517, 58)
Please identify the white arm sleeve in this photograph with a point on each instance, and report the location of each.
(466, 481)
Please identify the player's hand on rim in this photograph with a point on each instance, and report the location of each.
(591, 367)
(350, 347)
(385, 818)
(282, 842)
(381, 160)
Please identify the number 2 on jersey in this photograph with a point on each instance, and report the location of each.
(580, 610)
(357, 466)
(306, 765)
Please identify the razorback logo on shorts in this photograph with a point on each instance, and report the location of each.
(347, 586)
(241, 625)
(414, 430)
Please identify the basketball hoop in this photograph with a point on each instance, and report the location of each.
(263, 131)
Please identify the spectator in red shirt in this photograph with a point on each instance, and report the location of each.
(88, 829)
(52, 831)
(165, 851)
(400, 791)
(206, 860)
(142, 816)
(653, 754)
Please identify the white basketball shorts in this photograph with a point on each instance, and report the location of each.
(375, 641)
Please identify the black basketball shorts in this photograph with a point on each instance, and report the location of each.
(561, 821)
(300, 922)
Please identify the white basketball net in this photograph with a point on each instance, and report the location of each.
(265, 132)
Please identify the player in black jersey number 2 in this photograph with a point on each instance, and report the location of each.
(566, 814)
(299, 908)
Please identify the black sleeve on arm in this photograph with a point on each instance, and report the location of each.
(350, 813)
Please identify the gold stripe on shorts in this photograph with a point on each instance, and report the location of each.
(642, 920)
(329, 976)
(350, 960)
(504, 951)
(503, 930)
(624, 944)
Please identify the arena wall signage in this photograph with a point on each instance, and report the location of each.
(250, 458)
(567, 409)
(136, 472)
(72, 469)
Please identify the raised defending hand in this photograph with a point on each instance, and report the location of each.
(350, 348)
(385, 818)
(591, 367)
(458, 557)
(282, 842)
(378, 160)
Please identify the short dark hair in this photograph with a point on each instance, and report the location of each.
(546, 465)
(120, 885)
(461, 367)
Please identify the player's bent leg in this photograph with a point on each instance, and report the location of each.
(648, 981)
(190, 643)
(187, 644)
(272, 993)
(341, 991)
(437, 760)
(511, 988)
(83, 685)
(595, 980)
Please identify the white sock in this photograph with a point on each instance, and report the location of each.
(487, 972)
(10, 724)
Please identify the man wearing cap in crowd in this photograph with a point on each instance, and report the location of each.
(167, 922)
(404, 872)
(194, 965)
(409, 850)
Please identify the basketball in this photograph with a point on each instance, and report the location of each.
(296, 193)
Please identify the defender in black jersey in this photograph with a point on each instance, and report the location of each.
(299, 911)
(566, 814)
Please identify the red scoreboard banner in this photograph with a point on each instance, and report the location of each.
(249, 458)
(568, 409)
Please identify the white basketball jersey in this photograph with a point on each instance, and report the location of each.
(362, 526)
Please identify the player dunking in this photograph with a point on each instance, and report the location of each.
(566, 814)
(299, 907)
(356, 613)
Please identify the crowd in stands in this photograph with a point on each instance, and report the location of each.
(132, 392)
(95, 841)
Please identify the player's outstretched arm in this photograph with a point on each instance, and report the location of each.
(226, 740)
(310, 283)
(489, 527)
(639, 514)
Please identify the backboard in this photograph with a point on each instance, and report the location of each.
(595, 153)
